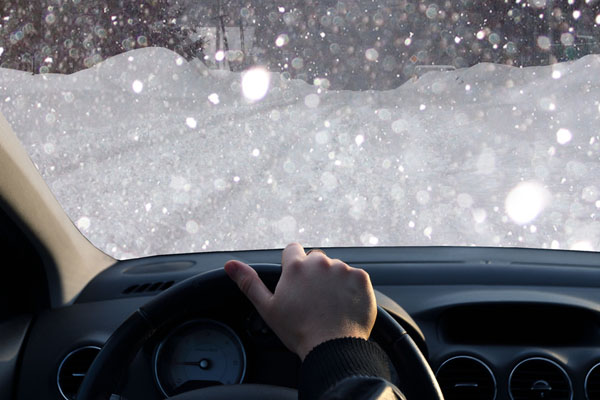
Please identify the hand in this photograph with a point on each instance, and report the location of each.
(316, 299)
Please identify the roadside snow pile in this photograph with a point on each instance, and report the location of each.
(150, 154)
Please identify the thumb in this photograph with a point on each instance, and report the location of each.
(250, 284)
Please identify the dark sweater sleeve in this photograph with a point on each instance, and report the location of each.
(349, 362)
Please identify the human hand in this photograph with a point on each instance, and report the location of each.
(316, 299)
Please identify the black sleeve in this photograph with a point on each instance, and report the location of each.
(347, 368)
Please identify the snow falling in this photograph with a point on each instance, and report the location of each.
(151, 154)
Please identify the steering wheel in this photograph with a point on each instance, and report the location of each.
(191, 296)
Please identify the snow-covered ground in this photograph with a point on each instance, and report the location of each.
(149, 154)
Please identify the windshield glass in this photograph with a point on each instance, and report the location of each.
(172, 126)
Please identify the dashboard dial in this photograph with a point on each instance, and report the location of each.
(197, 354)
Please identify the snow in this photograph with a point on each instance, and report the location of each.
(150, 154)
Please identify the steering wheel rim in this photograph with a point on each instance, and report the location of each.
(181, 300)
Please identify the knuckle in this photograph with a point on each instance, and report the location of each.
(295, 264)
(361, 276)
(319, 258)
(340, 265)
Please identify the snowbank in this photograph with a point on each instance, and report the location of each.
(149, 154)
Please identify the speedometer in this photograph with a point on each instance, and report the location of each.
(197, 354)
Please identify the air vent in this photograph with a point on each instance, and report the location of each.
(539, 378)
(72, 370)
(160, 267)
(592, 383)
(466, 378)
(148, 287)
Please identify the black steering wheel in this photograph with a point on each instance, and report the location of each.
(191, 296)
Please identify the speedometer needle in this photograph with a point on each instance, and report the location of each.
(204, 363)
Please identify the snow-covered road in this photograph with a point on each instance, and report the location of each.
(149, 154)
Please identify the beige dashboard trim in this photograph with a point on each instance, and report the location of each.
(24, 189)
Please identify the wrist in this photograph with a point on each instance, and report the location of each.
(337, 359)
(315, 341)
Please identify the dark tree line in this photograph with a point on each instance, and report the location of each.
(332, 38)
(321, 38)
(65, 36)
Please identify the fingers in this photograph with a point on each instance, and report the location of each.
(250, 284)
(318, 258)
(292, 253)
(315, 251)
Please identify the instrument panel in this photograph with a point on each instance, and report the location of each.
(494, 314)
(197, 354)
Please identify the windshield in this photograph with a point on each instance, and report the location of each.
(173, 126)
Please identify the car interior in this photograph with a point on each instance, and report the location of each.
(423, 102)
(491, 323)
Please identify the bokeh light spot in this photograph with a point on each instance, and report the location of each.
(526, 201)
(255, 83)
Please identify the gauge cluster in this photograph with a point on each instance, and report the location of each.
(197, 354)
(220, 349)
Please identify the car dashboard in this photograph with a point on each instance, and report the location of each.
(494, 324)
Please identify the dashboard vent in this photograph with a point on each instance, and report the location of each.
(539, 378)
(72, 370)
(148, 287)
(592, 383)
(466, 378)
